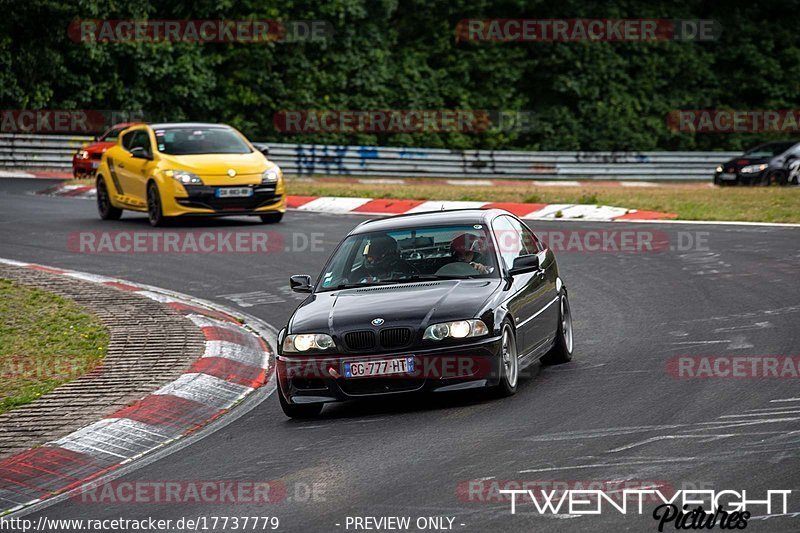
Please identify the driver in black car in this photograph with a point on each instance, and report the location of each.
(467, 249)
(382, 261)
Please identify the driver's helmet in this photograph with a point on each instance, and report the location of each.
(381, 252)
(466, 243)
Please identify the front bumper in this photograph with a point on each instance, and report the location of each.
(200, 200)
(737, 177)
(85, 166)
(319, 378)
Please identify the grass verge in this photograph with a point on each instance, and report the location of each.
(45, 340)
(689, 202)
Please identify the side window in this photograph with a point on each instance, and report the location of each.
(127, 139)
(514, 239)
(140, 140)
(532, 242)
(508, 240)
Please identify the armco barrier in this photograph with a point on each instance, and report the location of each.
(55, 152)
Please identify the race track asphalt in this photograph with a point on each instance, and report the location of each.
(613, 414)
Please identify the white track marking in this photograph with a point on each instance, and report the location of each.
(334, 204)
(705, 438)
(604, 465)
(762, 414)
(775, 409)
(638, 184)
(13, 263)
(164, 299)
(560, 183)
(248, 355)
(119, 438)
(380, 181)
(599, 433)
(88, 277)
(470, 183)
(15, 174)
(207, 390)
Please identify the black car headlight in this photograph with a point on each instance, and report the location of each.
(306, 342)
(752, 169)
(718, 169)
(186, 178)
(458, 329)
(271, 175)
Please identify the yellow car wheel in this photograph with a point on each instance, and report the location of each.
(104, 207)
(155, 210)
(272, 218)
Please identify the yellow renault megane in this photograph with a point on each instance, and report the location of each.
(185, 170)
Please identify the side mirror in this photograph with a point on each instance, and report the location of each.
(300, 283)
(141, 153)
(263, 148)
(525, 263)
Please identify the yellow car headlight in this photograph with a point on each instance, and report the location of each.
(271, 175)
(183, 177)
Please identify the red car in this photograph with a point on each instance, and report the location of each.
(87, 159)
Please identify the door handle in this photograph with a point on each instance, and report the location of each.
(121, 165)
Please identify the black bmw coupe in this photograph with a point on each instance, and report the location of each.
(439, 301)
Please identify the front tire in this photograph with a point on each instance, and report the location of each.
(155, 211)
(561, 352)
(780, 177)
(104, 207)
(271, 218)
(307, 410)
(509, 363)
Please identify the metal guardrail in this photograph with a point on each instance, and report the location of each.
(55, 152)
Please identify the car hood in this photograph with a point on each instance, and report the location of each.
(742, 161)
(219, 164)
(413, 305)
(98, 147)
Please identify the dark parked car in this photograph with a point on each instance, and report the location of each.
(765, 164)
(439, 301)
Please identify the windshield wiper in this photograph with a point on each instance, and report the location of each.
(424, 277)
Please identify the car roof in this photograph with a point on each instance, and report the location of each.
(430, 218)
(168, 125)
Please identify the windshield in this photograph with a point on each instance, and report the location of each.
(769, 149)
(452, 252)
(192, 141)
(112, 135)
